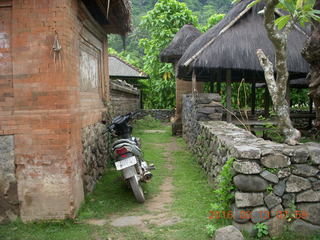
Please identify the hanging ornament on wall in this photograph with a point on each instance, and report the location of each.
(57, 50)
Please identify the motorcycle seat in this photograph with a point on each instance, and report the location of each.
(120, 141)
(120, 145)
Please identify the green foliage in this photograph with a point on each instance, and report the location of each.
(153, 31)
(148, 122)
(269, 188)
(262, 230)
(273, 170)
(223, 193)
(162, 23)
(212, 20)
(292, 211)
(299, 99)
(300, 11)
(211, 228)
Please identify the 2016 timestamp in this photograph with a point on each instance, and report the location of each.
(243, 214)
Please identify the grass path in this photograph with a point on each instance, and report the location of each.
(177, 201)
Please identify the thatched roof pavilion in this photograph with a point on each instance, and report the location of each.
(227, 51)
(181, 41)
(235, 49)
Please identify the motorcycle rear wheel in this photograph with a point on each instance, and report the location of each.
(137, 189)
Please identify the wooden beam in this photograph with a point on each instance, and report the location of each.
(310, 111)
(229, 92)
(194, 82)
(266, 102)
(253, 97)
(288, 98)
(219, 82)
(212, 83)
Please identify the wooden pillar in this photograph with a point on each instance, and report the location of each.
(310, 104)
(219, 87)
(253, 97)
(211, 84)
(212, 80)
(141, 99)
(218, 82)
(310, 111)
(266, 101)
(229, 106)
(288, 95)
(194, 82)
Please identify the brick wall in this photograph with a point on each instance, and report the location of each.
(41, 105)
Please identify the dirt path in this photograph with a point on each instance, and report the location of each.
(159, 205)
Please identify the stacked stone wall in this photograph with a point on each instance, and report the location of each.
(124, 97)
(95, 142)
(9, 204)
(163, 115)
(273, 181)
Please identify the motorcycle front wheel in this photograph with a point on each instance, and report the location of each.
(137, 189)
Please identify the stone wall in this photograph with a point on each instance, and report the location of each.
(202, 107)
(163, 115)
(9, 204)
(124, 97)
(271, 179)
(95, 153)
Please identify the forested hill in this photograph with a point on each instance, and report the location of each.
(202, 8)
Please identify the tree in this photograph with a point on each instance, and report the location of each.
(212, 20)
(311, 53)
(162, 23)
(299, 11)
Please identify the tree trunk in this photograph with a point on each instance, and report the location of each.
(311, 53)
(278, 87)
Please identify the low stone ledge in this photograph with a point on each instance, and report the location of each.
(160, 114)
(267, 175)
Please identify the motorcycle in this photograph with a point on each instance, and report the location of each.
(128, 155)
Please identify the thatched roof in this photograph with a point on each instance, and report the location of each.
(295, 83)
(236, 48)
(181, 41)
(120, 69)
(115, 18)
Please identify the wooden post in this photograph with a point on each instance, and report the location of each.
(141, 101)
(266, 102)
(219, 82)
(310, 104)
(194, 82)
(310, 111)
(229, 107)
(219, 87)
(288, 95)
(253, 97)
(211, 83)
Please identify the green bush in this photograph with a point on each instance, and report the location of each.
(147, 122)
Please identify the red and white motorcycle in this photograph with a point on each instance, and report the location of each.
(128, 155)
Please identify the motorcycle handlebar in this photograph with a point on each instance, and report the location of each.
(127, 117)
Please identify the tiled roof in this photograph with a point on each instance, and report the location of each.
(118, 68)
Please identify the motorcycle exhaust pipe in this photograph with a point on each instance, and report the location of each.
(147, 176)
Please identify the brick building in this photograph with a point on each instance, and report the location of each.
(53, 85)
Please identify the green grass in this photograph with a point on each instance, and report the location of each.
(191, 200)
(111, 197)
